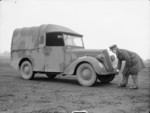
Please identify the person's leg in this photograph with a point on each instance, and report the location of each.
(124, 70)
(124, 81)
(135, 81)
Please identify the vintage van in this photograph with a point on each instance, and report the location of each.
(53, 50)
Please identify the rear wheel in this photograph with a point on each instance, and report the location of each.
(106, 78)
(26, 70)
(86, 75)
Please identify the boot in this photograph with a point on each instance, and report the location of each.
(122, 85)
(134, 87)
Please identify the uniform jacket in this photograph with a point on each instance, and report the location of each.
(134, 63)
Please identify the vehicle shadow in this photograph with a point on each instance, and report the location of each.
(70, 81)
(59, 80)
(100, 84)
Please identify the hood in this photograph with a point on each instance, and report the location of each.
(85, 52)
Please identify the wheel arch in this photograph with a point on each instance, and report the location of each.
(75, 70)
(22, 60)
(97, 66)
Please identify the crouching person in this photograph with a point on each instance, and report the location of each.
(133, 65)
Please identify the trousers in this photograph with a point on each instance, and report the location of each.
(134, 78)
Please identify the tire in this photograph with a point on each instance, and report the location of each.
(106, 78)
(26, 70)
(50, 76)
(86, 75)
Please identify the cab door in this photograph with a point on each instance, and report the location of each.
(54, 53)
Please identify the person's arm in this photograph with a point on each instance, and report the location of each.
(119, 64)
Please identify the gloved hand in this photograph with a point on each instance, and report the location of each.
(118, 72)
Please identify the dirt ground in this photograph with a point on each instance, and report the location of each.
(64, 94)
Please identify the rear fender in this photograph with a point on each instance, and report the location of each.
(17, 57)
(98, 66)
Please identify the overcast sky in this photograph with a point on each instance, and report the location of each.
(102, 22)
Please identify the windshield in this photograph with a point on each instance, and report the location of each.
(71, 40)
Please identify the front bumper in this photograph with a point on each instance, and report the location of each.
(110, 73)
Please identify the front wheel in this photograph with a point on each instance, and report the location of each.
(26, 70)
(106, 78)
(86, 75)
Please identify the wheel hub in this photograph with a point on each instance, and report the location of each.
(26, 70)
(86, 74)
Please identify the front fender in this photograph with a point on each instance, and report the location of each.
(98, 66)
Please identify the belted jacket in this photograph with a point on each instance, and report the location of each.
(134, 63)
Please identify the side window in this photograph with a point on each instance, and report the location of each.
(54, 39)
